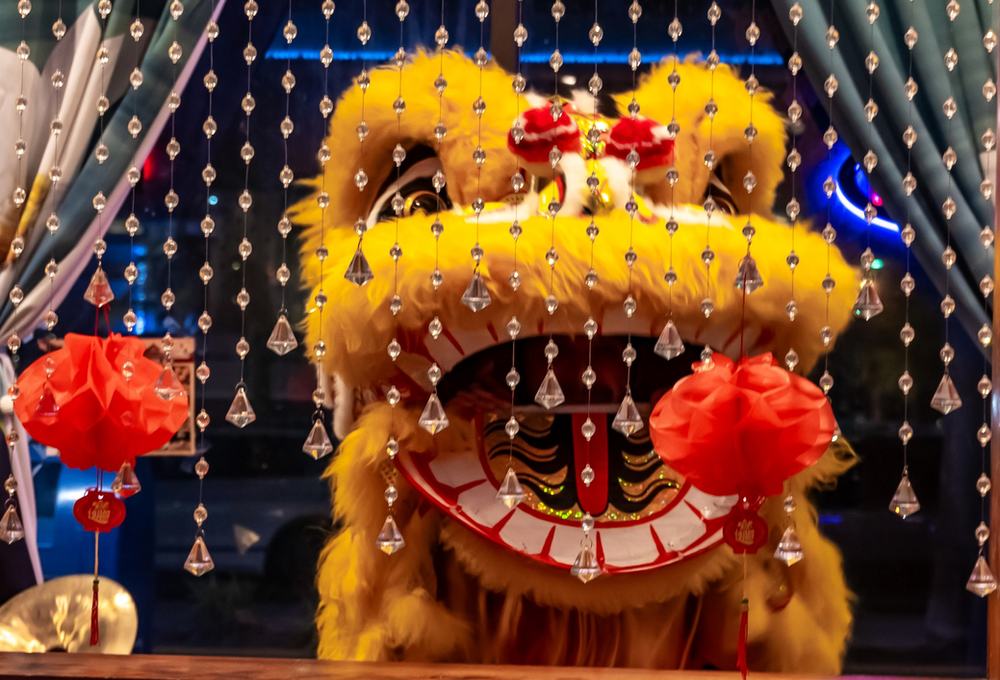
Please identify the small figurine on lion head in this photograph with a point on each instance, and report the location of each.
(468, 577)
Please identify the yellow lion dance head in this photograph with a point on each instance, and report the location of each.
(481, 582)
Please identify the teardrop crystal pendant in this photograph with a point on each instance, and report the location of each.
(904, 502)
(627, 420)
(359, 272)
(282, 340)
(99, 291)
(549, 394)
(433, 418)
(11, 529)
(240, 411)
(868, 304)
(789, 549)
(167, 386)
(199, 561)
(47, 406)
(510, 492)
(318, 442)
(126, 483)
(669, 345)
(389, 540)
(946, 397)
(748, 276)
(585, 567)
(981, 581)
(476, 297)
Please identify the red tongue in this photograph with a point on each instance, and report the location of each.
(593, 498)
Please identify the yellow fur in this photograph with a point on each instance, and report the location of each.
(453, 596)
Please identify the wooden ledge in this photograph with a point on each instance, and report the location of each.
(155, 667)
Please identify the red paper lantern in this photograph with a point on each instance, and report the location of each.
(78, 400)
(741, 429)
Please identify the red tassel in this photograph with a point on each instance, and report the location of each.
(741, 648)
(95, 635)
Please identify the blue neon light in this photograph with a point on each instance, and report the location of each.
(860, 213)
(760, 59)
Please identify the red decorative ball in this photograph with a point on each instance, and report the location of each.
(541, 133)
(741, 429)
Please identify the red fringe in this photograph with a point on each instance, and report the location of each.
(741, 649)
(95, 635)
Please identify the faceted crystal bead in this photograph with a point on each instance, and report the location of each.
(11, 529)
(905, 432)
(476, 296)
(826, 382)
(985, 335)
(947, 353)
(282, 339)
(389, 539)
(984, 386)
(983, 484)
(199, 561)
(983, 434)
(904, 502)
(789, 548)
(627, 419)
(907, 334)
(99, 291)
(318, 442)
(549, 393)
(868, 303)
(167, 386)
(359, 272)
(240, 412)
(791, 359)
(126, 483)
(905, 382)
(947, 306)
(669, 345)
(586, 567)
(981, 582)
(510, 492)
(907, 284)
(433, 418)
(949, 108)
(748, 276)
(946, 397)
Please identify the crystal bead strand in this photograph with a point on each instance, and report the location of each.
(550, 393)
(58, 81)
(669, 344)
(318, 443)
(904, 501)
(433, 418)
(511, 492)
(136, 30)
(11, 527)
(241, 412)
(747, 275)
(793, 160)
(167, 385)
(627, 420)
(438, 181)
(359, 272)
(282, 339)
(99, 291)
(982, 581)
(946, 397)
(829, 233)
(711, 109)
(476, 296)
(199, 560)
(868, 304)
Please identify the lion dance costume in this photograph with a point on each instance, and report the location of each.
(479, 582)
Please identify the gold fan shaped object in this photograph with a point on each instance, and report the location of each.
(55, 617)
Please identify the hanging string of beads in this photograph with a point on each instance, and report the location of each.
(904, 502)
(982, 581)
(11, 527)
(241, 411)
(317, 443)
(511, 492)
(710, 159)
(359, 272)
(136, 30)
(793, 161)
(829, 234)
(438, 180)
(433, 419)
(669, 344)
(199, 560)
(550, 393)
(476, 296)
(282, 339)
(58, 81)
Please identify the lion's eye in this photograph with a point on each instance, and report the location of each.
(419, 198)
(426, 202)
